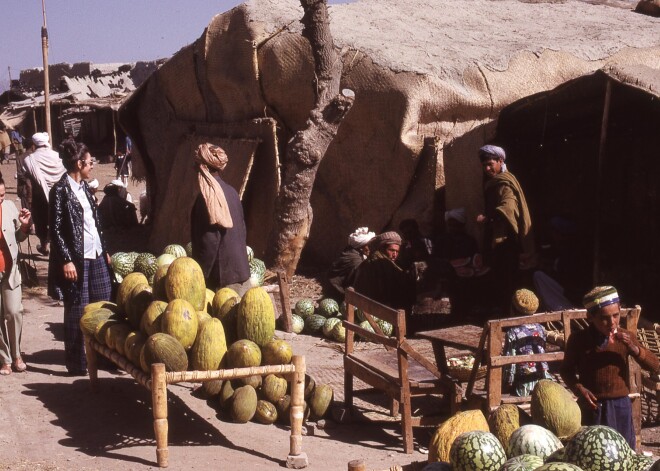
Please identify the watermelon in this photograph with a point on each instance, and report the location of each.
(328, 307)
(476, 451)
(638, 462)
(532, 440)
(385, 326)
(329, 325)
(522, 463)
(559, 467)
(339, 332)
(257, 272)
(188, 249)
(304, 308)
(122, 263)
(598, 448)
(250, 253)
(176, 250)
(366, 326)
(145, 263)
(314, 323)
(297, 323)
(557, 457)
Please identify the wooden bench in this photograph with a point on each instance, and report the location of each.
(490, 353)
(400, 371)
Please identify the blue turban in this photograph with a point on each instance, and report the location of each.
(490, 151)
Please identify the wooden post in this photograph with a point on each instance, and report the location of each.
(283, 283)
(357, 465)
(92, 365)
(159, 400)
(297, 459)
(494, 378)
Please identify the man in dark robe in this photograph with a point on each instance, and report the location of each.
(343, 270)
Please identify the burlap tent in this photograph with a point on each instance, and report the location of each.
(430, 80)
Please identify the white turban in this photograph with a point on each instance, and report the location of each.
(41, 139)
(117, 182)
(457, 213)
(94, 184)
(360, 237)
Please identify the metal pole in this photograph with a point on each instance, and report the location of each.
(44, 50)
(9, 94)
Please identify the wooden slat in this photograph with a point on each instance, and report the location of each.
(460, 337)
(494, 374)
(283, 284)
(370, 377)
(370, 306)
(478, 357)
(381, 339)
(502, 360)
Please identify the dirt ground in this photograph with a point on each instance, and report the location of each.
(51, 421)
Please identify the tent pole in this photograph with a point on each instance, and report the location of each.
(114, 133)
(599, 177)
(44, 50)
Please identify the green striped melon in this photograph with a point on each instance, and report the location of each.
(366, 326)
(385, 326)
(163, 348)
(250, 253)
(146, 263)
(257, 272)
(598, 448)
(328, 307)
(185, 280)
(476, 451)
(256, 317)
(175, 250)
(122, 263)
(314, 323)
(640, 463)
(304, 307)
(188, 248)
(297, 323)
(560, 467)
(180, 321)
(532, 440)
(522, 463)
(329, 325)
(557, 456)
(339, 332)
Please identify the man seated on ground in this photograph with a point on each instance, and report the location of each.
(381, 279)
(414, 246)
(115, 211)
(595, 365)
(342, 271)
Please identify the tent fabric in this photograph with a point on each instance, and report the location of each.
(420, 70)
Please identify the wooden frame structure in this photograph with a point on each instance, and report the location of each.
(401, 372)
(159, 379)
(491, 343)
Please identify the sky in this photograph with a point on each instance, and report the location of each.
(100, 31)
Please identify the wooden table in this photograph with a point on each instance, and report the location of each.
(462, 337)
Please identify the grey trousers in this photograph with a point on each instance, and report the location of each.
(11, 321)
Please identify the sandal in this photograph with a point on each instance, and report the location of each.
(19, 365)
(5, 370)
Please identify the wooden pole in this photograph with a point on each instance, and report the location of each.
(297, 459)
(599, 176)
(114, 133)
(283, 283)
(357, 465)
(92, 365)
(159, 399)
(44, 51)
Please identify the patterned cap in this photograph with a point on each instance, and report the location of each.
(387, 238)
(599, 297)
(525, 302)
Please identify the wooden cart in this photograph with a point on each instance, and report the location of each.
(159, 379)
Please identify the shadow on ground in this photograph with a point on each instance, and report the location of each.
(120, 418)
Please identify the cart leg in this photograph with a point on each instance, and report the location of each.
(297, 459)
(159, 399)
(92, 365)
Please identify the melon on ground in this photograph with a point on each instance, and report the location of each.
(243, 404)
(446, 433)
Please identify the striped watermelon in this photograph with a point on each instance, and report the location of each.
(176, 250)
(557, 457)
(640, 463)
(476, 451)
(329, 325)
(532, 440)
(558, 467)
(522, 463)
(304, 307)
(314, 323)
(328, 307)
(599, 448)
(257, 272)
(122, 263)
(297, 323)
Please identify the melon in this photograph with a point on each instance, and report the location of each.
(273, 388)
(202, 316)
(559, 467)
(553, 407)
(505, 419)
(133, 345)
(226, 393)
(328, 307)
(310, 385)
(557, 456)
(257, 272)
(90, 320)
(598, 448)
(175, 250)
(124, 291)
(276, 352)
(100, 304)
(210, 347)
(180, 321)
(146, 263)
(243, 404)
(158, 285)
(339, 332)
(150, 323)
(522, 463)
(102, 327)
(165, 260)
(228, 314)
(243, 354)
(304, 307)
(115, 336)
(249, 252)
(163, 348)
(220, 298)
(366, 326)
(385, 326)
(209, 301)
(320, 401)
(254, 381)
(144, 366)
(314, 323)
(212, 388)
(532, 440)
(122, 263)
(451, 428)
(137, 303)
(185, 280)
(297, 324)
(256, 317)
(266, 412)
(476, 451)
(329, 325)
(640, 463)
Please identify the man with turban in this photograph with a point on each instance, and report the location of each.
(595, 364)
(508, 238)
(381, 279)
(44, 168)
(342, 271)
(218, 230)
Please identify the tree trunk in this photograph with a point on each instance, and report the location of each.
(293, 212)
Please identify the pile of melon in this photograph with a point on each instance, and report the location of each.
(551, 439)
(325, 318)
(176, 321)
